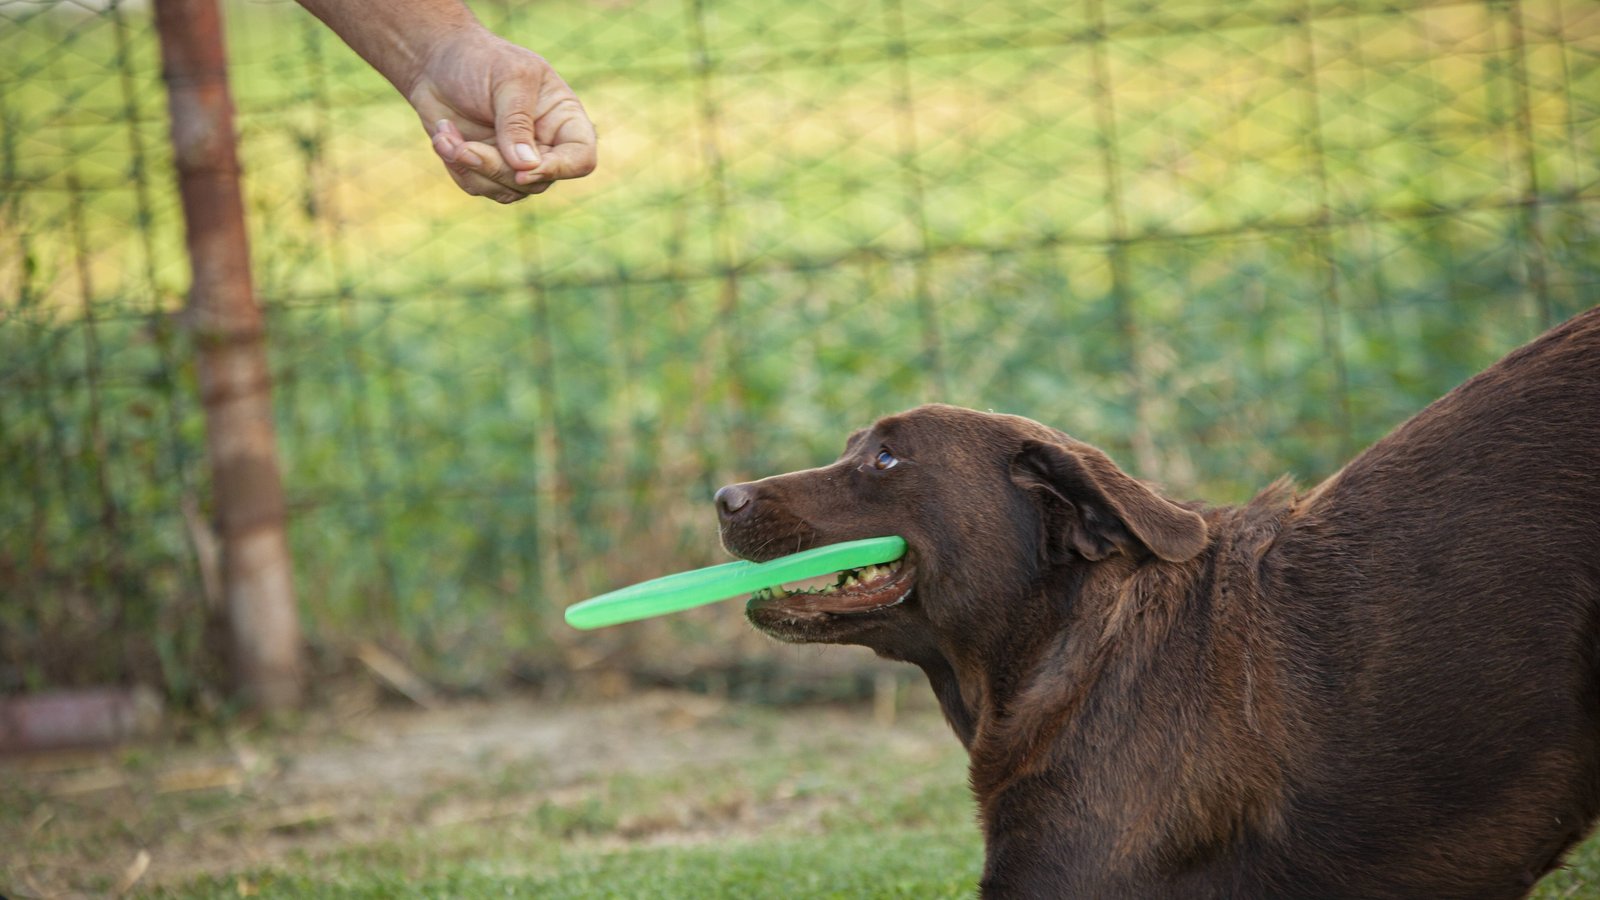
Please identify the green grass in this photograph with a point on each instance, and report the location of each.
(809, 801)
(896, 862)
(926, 847)
(818, 801)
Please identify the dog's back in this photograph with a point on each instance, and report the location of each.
(1441, 596)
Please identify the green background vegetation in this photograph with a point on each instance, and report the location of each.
(1225, 241)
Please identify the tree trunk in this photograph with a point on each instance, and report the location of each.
(235, 383)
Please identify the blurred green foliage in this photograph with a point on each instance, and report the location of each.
(1225, 241)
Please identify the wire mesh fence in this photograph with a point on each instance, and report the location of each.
(1225, 241)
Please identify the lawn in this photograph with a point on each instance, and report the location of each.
(659, 794)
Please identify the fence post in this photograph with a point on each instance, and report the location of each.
(235, 383)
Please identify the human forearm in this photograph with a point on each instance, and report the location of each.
(395, 38)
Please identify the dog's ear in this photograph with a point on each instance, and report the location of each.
(1098, 510)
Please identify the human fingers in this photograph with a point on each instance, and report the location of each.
(566, 142)
(449, 143)
(493, 177)
(571, 160)
(514, 120)
(477, 167)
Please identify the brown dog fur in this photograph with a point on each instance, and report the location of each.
(1386, 687)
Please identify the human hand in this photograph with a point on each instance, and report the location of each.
(505, 124)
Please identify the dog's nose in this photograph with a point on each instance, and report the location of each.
(732, 499)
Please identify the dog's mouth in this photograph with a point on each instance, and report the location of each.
(850, 592)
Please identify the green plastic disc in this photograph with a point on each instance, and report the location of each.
(686, 590)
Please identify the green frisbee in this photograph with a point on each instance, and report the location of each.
(687, 590)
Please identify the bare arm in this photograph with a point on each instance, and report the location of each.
(505, 124)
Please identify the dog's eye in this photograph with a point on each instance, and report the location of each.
(884, 460)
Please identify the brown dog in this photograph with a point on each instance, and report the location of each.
(1386, 687)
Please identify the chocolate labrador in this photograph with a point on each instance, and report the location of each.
(1388, 686)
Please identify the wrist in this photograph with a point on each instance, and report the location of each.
(396, 39)
(426, 48)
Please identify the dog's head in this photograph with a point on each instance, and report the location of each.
(987, 503)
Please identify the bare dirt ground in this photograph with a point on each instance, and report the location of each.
(105, 823)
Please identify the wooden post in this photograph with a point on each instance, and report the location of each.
(235, 383)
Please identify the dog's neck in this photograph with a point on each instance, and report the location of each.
(1027, 694)
(979, 678)
(1028, 718)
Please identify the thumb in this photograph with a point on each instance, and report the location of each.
(513, 124)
